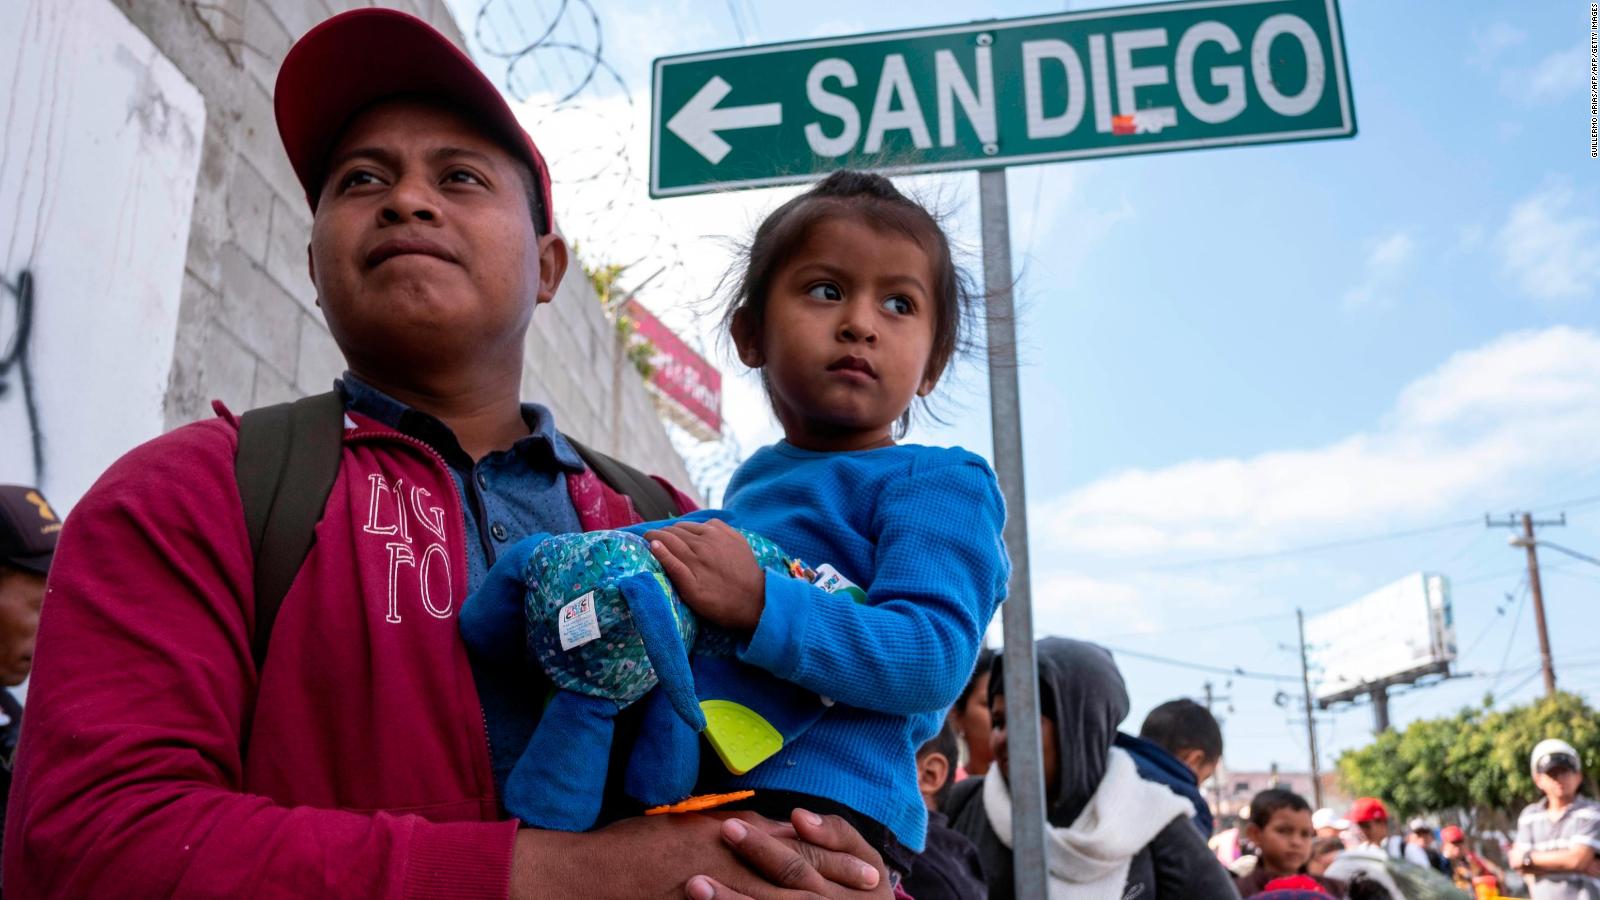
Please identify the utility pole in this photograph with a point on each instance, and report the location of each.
(1311, 722)
(1216, 776)
(1528, 543)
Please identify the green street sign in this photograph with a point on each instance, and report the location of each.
(1132, 79)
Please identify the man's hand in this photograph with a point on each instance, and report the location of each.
(714, 571)
(658, 856)
(816, 857)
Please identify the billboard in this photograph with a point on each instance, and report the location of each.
(1394, 635)
(687, 388)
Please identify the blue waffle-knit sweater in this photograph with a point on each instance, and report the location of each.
(919, 529)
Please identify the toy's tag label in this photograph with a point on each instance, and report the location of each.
(577, 623)
(829, 579)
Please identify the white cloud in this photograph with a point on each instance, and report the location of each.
(1552, 76)
(1549, 247)
(1387, 259)
(1558, 73)
(1485, 422)
(1488, 43)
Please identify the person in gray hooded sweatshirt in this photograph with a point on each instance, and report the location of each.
(1111, 834)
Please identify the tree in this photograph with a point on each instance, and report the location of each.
(604, 278)
(1472, 766)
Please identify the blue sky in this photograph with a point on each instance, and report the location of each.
(1232, 352)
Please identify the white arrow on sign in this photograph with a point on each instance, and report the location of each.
(698, 122)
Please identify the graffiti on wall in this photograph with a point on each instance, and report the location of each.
(14, 363)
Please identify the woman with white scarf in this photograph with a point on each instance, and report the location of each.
(1111, 834)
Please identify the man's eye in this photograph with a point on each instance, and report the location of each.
(357, 178)
(462, 176)
(825, 290)
(899, 305)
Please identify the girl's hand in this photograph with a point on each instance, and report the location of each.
(714, 571)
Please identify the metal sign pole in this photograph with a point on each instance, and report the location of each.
(1021, 670)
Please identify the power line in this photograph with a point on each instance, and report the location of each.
(1200, 667)
(1312, 548)
(1516, 620)
(1342, 543)
(1195, 629)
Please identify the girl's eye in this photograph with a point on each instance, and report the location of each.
(357, 178)
(899, 305)
(825, 291)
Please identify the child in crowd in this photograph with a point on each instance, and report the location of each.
(1280, 827)
(1324, 850)
(851, 306)
(948, 868)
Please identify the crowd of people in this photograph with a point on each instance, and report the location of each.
(169, 748)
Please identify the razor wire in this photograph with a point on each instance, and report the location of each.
(550, 57)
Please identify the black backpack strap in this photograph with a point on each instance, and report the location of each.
(650, 499)
(287, 461)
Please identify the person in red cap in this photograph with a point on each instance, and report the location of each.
(1371, 817)
(1465, 863)
(356, 759)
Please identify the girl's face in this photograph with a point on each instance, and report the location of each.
(847, 335)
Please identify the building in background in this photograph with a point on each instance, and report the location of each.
(1235, 788)
(163, 236)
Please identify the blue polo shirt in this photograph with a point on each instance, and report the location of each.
(505, 496)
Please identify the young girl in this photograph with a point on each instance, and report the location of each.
(851, 306)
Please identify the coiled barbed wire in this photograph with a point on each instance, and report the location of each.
(553, 64)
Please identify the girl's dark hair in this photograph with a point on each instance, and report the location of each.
(985, 660)
(1270, 801)
(875, 201)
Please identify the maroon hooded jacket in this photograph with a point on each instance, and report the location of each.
(155, 762)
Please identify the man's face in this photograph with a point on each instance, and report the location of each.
(423, 248)
(21, 594)
(1560, 785)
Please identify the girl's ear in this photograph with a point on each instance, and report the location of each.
(745, 338)
(929, 381)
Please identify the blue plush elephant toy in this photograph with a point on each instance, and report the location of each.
(596, 612)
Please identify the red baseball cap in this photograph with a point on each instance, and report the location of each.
(1450, 834)
(1368, 809)
(357, 58)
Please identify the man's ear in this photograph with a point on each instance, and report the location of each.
(746, 340)
(1193, 758)
(552, 265)
(933, 770)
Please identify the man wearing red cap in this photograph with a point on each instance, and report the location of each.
(355, 760)
(1465, 863)
(1371, 817)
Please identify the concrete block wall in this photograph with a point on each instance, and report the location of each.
(249, 332)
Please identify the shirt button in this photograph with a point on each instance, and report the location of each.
(483, 481)
(498, 530)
